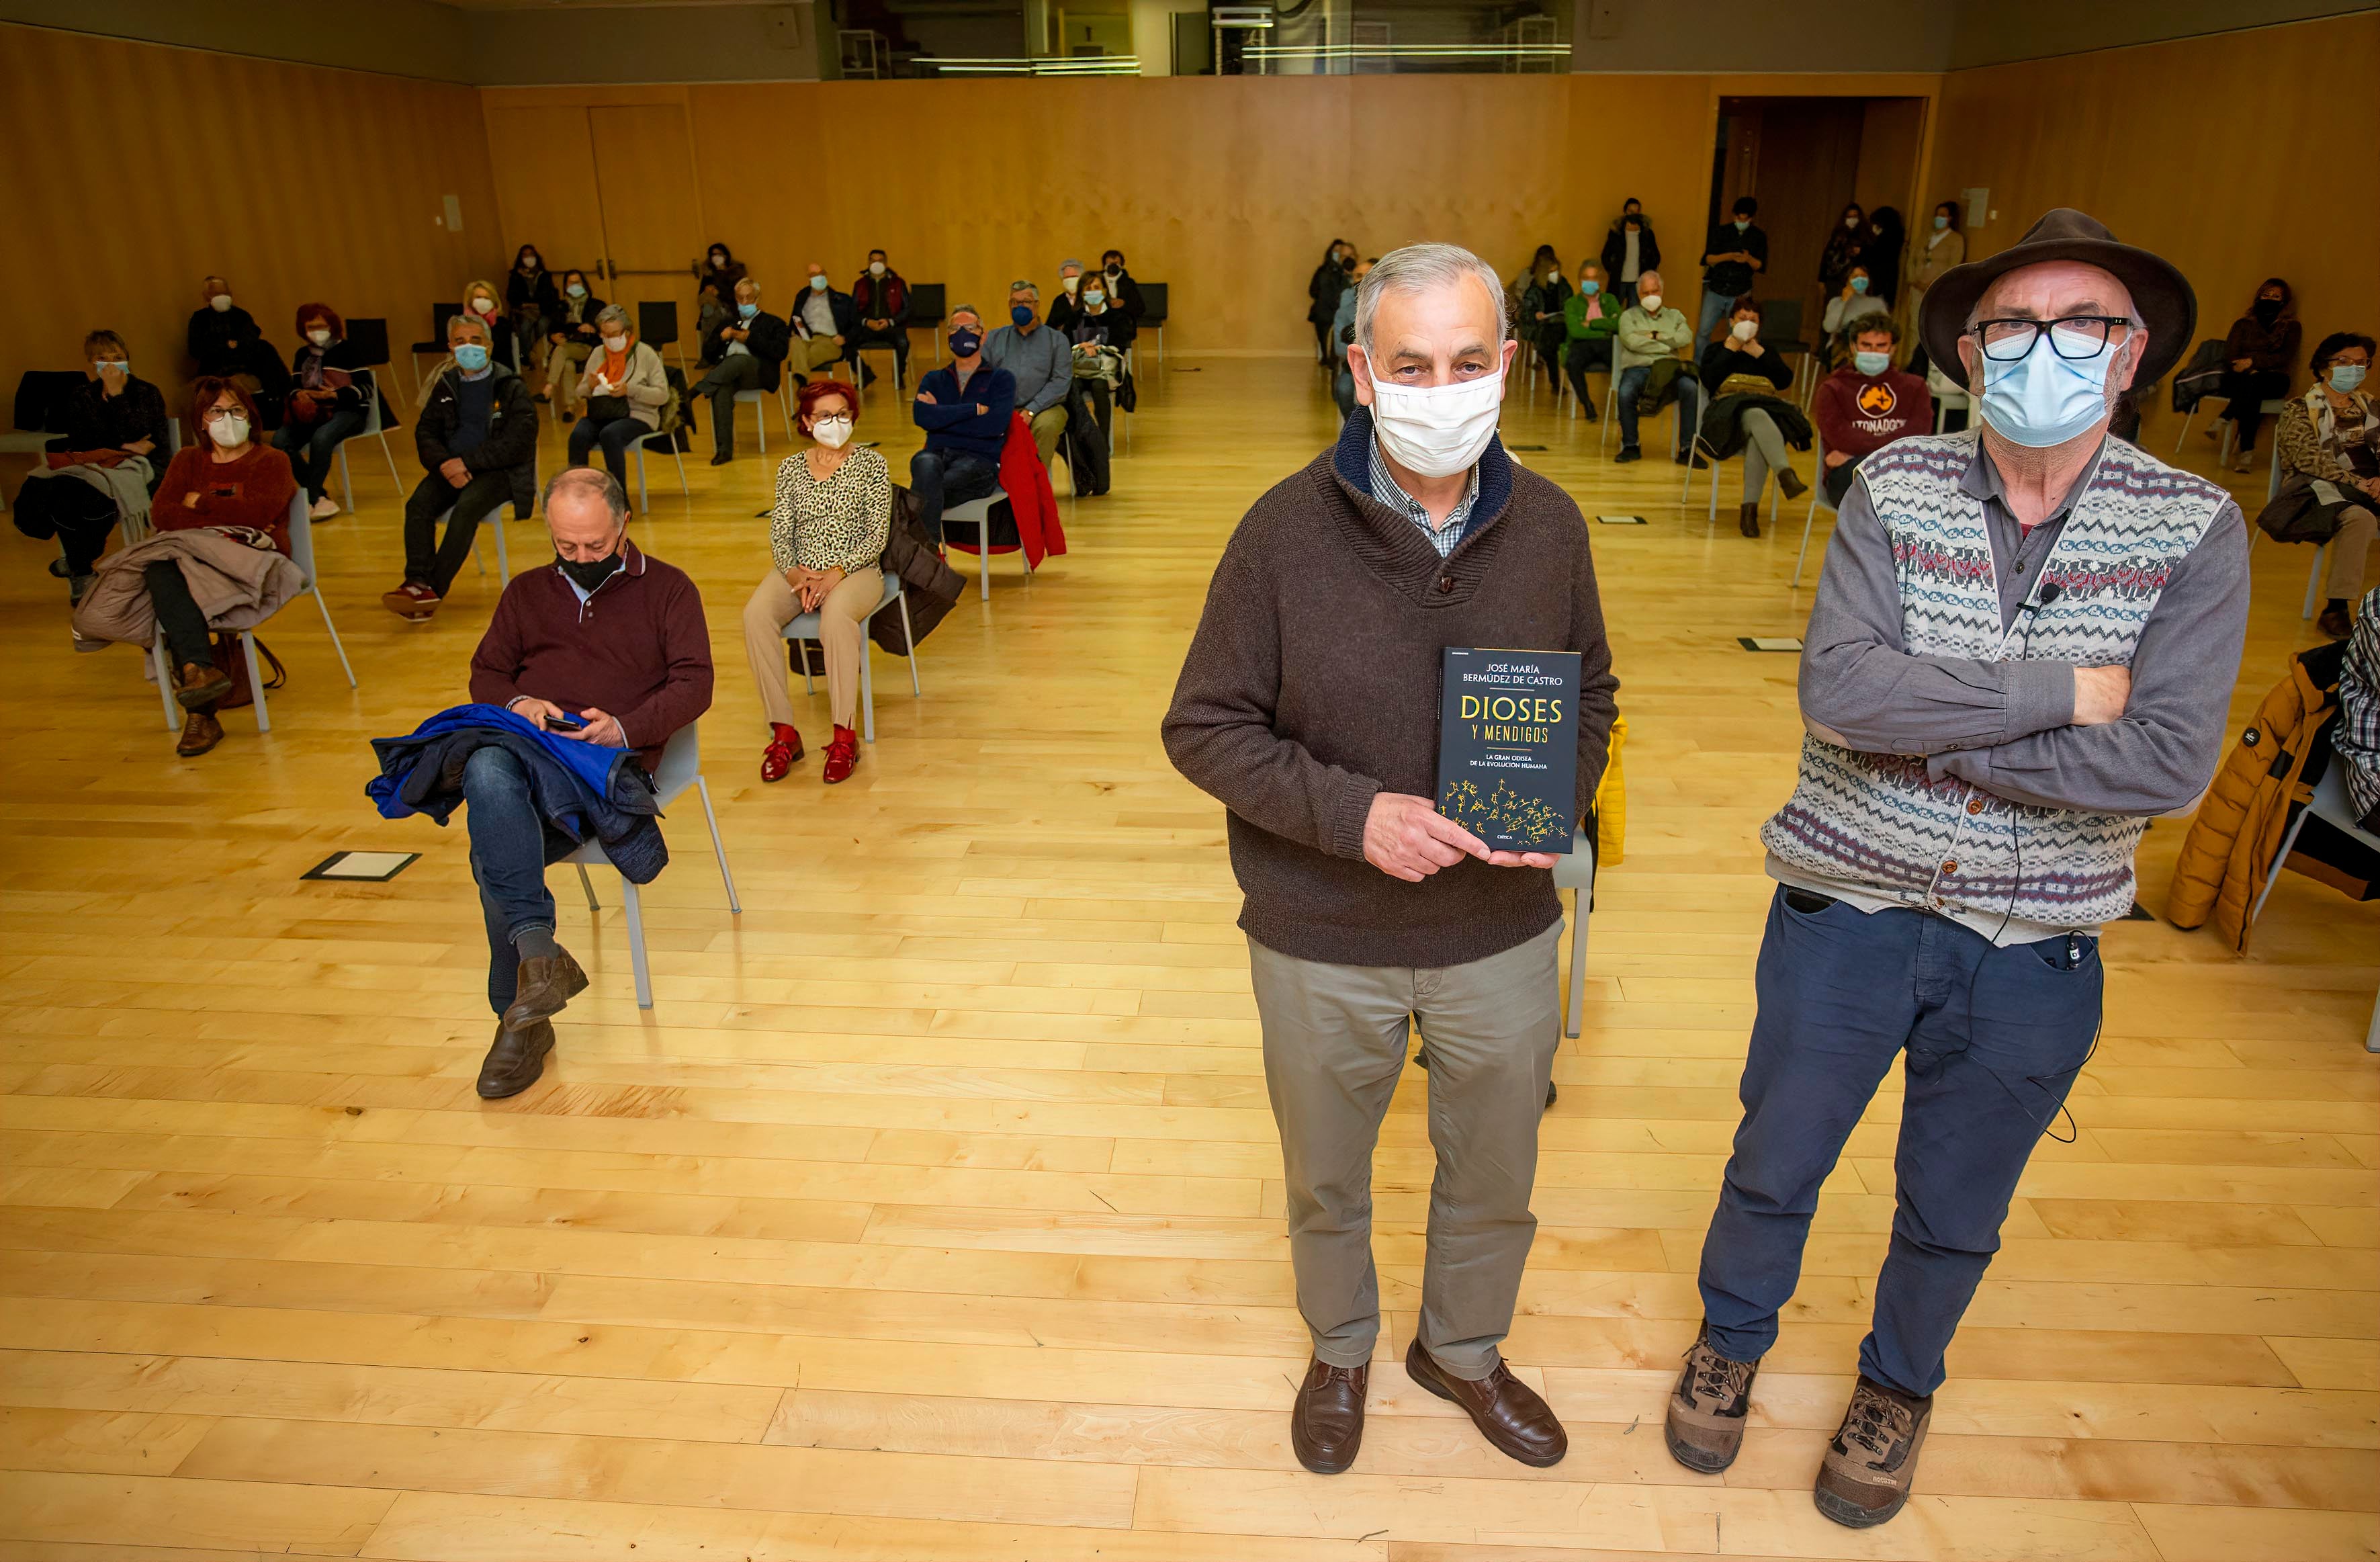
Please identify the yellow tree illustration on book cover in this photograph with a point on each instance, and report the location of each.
(1504, 813)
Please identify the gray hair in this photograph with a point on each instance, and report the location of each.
(580, 481)
(1418, 268)
(459, 322)
(1024, 285)
(613, 314)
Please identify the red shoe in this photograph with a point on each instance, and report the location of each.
(412, 602)
(783, 751)
(842, 756)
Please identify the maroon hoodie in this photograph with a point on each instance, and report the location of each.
(637, 648)
(1859, 416)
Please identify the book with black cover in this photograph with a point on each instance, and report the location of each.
(1507, 746)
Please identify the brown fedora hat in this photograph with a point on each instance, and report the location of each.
(2160, 293)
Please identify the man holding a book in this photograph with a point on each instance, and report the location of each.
(1310, 706)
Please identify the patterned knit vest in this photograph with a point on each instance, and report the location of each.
(1876, 820)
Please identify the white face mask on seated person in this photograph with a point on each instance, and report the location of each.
(833, 432)
(1649, 302)
(1437, 431)
(220, 303)
(615, 344)
(1745, 330)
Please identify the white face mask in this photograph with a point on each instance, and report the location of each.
(1649, 302)
(220, 302)
(1850, 222)
(1745, 330)
(1553, 276)
(832, 433)
(615, 344)
(876, 268)
(229, 432)
(1437, 431)
(1070, 283)
(319, 336)
(484, 306)
(2042, 399)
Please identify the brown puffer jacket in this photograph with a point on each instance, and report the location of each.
(2230, 845)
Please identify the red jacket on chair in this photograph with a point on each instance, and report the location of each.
(1029, 495)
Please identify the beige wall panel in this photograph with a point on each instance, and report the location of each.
(545, 184)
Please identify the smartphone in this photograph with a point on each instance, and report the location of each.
(566, 721)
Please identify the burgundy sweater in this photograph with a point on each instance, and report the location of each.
(201, 491)
(1312, 685)
(637, 649)
(1860, 416)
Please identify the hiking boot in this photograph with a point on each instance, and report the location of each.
(201, 732)
(1326, 1424)
(1873, 1460)
(197, 686)
(1708, 1408)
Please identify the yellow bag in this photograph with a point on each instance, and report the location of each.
(1611, 802)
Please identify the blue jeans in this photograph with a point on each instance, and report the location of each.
(1993, 1039)
(1689, 401)
(1714, 309)
(313, 447)
(510, 849)
(616, 437)
(941, 478)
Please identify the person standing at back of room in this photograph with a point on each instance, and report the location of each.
(1736, 252)
(1629, 252)
(2023, 650)
(1322, 290)
(1367, 910)
(1946, 247)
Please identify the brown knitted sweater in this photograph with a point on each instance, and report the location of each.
(1312, 685)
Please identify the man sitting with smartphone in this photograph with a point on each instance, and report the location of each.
(608, 646)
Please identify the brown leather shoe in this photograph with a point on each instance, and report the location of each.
(1747, 520)
(1708, 1408)
(1873, 1460)
(201, 732)
(1506, 1411)
(197, 685)
(2336, 622)
(515, 1059)
(1326, 1425)
(543, 986)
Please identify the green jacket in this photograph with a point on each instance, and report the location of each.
(1578, 328)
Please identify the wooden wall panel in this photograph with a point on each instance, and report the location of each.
(2236, 158)
(115, 209)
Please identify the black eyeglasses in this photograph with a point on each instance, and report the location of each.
(2077, 338)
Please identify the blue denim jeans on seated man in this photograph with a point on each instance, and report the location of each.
(1994, 1038)
(511, 848)
(1632, 384)
(943, 478)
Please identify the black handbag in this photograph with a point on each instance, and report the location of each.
(608, 408)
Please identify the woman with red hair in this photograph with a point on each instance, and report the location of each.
(329, 401)
(827, 536)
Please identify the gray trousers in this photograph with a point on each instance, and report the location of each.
(1764, 447)
(1334, 1043)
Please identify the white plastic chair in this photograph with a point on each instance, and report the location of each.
(2330, 805)
(371, 426)
(805, 627)
(859, 365)
(1948, 397)
(2255, 534)
(301, 551)
(1818, 501)
(978, 513)
(644, 500)
(1686, 496)
(495, 522)
(753, 398)
(1576, 873)
(681, 766)
(2231, 434)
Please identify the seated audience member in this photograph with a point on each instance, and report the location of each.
(1342, 336)
(714, 289)
(1590, 320)
(2330, 458)
(1070, 296)
(1854, 304)
(745, 351)
(881, 299)
(823, 324)
(226, 344)
(1741, 380)
(2257, 358)
(1629, 252)
(624, 388)
(963, 410)
(476, 438)
(1040, 361)
(481, 298)
(2356, 739)
(531, 304)
(224, 502)
(1867, 405)
(1096, 338)
(571, 337)
(1122, 291)
(1541, 316)
(1652, 329)
(826, 543)
(112, 456)
(330, 393)
(613, 638)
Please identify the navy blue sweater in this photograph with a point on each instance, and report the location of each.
(953, 423)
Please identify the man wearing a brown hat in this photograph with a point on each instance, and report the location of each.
(2023, 650)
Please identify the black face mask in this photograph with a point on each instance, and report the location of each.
(1346, 266)
(2267, 310)
(589, 573)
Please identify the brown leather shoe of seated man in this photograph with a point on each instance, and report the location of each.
(197, 685)
(201, 732)
(515, 1059)
(1872, 1463)
(1326, 1425)
(1708, 1408)
(543, 985)
(1506, 1411)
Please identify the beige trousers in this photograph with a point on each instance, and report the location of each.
(808, 357)
(1334, 1043)
(1047, 426)
(2349, 548)
(564, 365)
(841, 620)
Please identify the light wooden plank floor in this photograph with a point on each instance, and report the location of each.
(934, 1211)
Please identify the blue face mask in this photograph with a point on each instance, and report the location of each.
(1590, 287)
(747, 311)
(1941, 220)
(577, 291)
(2345, 378)
(964, 342)
(1871, 363)
(471, 357)
(1743, 223)
(817, 283)
(1859, 284)
(2042, 399)
(1021, 313)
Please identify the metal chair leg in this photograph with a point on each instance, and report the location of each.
(255, 679)
(316, 590)
(637, 957)
(2272, 878)
(2314, 581)
(909, 637)
(165, 681)
(1577, 1015)
(717, 847)
(589, 885)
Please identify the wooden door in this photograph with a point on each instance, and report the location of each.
(653, 217)
(545, 187)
